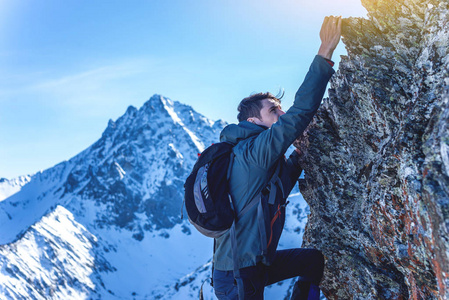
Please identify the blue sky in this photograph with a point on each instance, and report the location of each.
(67, 67)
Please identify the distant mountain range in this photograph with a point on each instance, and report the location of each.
(106, 223)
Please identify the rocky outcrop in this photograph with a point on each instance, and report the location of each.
(377, 157)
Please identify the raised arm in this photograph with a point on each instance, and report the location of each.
(271, 144)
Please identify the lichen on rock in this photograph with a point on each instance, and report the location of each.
(377, 157)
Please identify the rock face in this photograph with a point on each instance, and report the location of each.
(377, 157)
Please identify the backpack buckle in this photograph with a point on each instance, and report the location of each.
(266, 190)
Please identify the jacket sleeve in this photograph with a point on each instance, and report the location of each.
(271, 144)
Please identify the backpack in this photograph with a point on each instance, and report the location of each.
(208, 203)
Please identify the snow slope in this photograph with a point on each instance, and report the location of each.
(9, 187)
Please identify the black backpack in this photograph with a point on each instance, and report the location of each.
(208, 203)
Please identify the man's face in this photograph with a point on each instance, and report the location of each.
(269, 114)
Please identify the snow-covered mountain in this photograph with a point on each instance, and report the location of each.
(106, 223)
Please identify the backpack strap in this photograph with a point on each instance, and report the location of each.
(231, 162)
(261, 225)
(213, 267)
(248, 207)
(276, 181)
(272, 185)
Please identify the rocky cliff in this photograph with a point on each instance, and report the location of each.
(377, 157)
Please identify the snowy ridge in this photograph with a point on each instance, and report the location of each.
(58, 258)
(9, 187)
(34, 200)
(31, 266)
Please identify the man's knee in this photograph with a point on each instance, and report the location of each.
(319, 258)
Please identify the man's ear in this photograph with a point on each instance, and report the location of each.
(251, 120)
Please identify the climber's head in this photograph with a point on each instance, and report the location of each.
(261, 109)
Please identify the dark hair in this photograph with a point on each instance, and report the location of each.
(251, 106)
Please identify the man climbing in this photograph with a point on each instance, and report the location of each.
(261, 138)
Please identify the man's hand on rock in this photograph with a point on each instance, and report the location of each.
(297, 145)
(330, 36)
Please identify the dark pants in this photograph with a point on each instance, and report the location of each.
(307, 263)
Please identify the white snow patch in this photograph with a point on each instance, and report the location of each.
(168, 105)
(178, 154)
(121, 172)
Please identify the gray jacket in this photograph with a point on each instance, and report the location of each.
(257, 153)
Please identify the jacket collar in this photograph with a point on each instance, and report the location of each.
(235, 133)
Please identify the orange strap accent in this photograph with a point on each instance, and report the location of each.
(278, 213)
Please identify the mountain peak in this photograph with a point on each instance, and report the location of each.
(155, 101)
(131, 110)
(130, 170)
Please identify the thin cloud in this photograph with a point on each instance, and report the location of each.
(86, 92)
